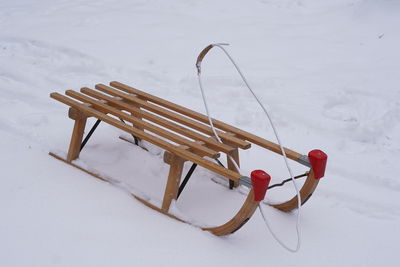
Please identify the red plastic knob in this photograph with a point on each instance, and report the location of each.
(318, 160)
(260, 181)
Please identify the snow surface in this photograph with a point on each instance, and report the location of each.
(327, 70)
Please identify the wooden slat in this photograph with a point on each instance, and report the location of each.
(168, 155)
(211, 143)
(150, 138)
(201, 117)
(270, 145)
(173, 116)
(137, 122)
(174, 179)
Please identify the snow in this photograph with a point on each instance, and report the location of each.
(327, 70)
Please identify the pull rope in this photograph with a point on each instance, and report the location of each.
(198, 65)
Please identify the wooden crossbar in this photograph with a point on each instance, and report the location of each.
(202, 118)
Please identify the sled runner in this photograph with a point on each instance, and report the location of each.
(185, 136)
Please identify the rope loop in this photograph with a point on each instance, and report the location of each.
(200, 58)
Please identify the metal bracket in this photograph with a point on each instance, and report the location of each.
(187, 177)
(304, 161)
(89, 134)
(246, 181)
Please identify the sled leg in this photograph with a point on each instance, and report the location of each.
(174, 178)
(77, 134)
(235, 156)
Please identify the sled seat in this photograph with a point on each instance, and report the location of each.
(184, 134)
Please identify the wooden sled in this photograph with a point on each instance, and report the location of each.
(185, 136)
